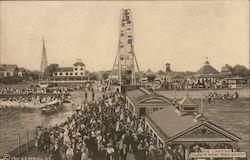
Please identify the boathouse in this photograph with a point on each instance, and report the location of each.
(142, 101)
(187, 133)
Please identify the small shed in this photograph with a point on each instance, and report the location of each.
(187, 106)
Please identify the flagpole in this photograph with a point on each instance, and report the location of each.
(186, 88)
(201, 102)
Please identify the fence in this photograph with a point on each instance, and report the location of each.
(19, 143)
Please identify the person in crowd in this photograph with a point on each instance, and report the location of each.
(100, 129)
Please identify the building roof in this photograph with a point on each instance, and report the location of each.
(178, 77)
(64, 69)
(79, 63)
(207, 69)
(10, 67)
(21, 69)
(172, 126)
(220, 75)
(187, 101)
(236, 78)
(136, 94)
(170, 122)
(2, 68)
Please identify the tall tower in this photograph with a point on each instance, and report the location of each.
(125, 64)
(44, 64)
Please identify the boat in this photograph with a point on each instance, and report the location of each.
(51, 107)
(43, 84)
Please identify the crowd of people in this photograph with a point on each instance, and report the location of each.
(28, 90)
(213, 96)
(103, 129)
(39, 90)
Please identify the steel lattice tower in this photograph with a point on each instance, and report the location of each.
(44, 63)
(125, 61)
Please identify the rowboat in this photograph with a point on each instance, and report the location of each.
(51, 107)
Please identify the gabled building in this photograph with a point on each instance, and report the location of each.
(142, 101)
(22, 72)
(187, 134)
(8, 70)
(186, 106)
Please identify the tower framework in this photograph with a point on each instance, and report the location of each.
(125, 65)
(44, 64)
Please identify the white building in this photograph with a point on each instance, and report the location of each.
(77, 70)
(8, 70)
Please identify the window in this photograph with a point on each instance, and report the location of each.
(81, 69)
(189, 108)
(8, 73)
(66, 74)
(122, 34)
(55, 74)
(71, 74)
(61, 74)
(76, 74)
(81, 73)
(76, 69)
(129, 41)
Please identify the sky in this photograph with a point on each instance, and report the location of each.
(182, 33)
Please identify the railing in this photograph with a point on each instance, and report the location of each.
(19, 143)
(156, 127)
(4, 95)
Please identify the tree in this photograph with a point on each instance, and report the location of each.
(51, 69)
(240, 70)
(105, 75)
(160, 72)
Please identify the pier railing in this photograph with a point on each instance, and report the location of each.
(20, 143)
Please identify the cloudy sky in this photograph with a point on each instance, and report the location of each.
(181, 33)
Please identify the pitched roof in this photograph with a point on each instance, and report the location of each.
(64, 69)
(2, 68)
(207, 69)
(170, 122)
(10, 67)
(79, 63)
(212, 126)
(135, 95)
(187, 101)
(21, 69)
(177, 76)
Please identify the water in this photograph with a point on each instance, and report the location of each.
(21, 120)
(233, 116)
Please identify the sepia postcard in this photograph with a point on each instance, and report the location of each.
(125, 80)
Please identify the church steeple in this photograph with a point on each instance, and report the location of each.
(44, 62)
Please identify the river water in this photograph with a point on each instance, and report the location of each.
(23, 120)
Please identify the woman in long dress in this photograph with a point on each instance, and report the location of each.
(66, 139)
(84, 153)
